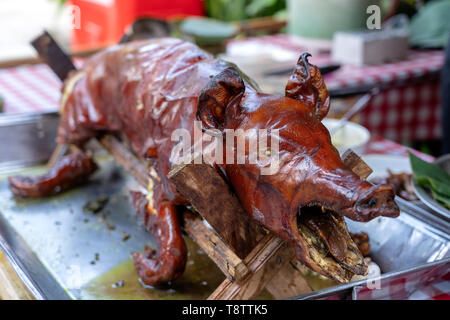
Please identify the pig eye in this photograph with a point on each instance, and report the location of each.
(372, 202)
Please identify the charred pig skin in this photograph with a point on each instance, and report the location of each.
(148, 89)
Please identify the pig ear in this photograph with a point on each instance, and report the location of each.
(307, 86)
(224, 88)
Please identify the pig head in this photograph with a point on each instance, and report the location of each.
(305, 200)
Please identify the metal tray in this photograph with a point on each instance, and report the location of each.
(408, 249)
(27, 138)
(62, 252)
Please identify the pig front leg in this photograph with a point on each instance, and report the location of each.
(67, 172)
(168, 261)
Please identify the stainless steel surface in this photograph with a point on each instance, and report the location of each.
(402, 247)
(52, 243)
(420, 211)
(404, 242)
(428, 273)
(27, 138)
(30, 270)
(56, 233)
(66, 239)
(426, 197)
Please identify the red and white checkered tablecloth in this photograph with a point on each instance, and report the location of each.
(435, 291)
(382, 146)
(408, 111)
(429, 283)
(35, 88)
(432, 283)
(29, 88)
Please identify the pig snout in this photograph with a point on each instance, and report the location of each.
(377, 201)
(345, 193)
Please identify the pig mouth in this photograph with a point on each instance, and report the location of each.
(330, 249)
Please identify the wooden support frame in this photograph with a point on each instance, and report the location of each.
(217, 204)
(270, 264)
(206, 238)
(267, 263)
(263, 262)
(220, 207)
(356, 164)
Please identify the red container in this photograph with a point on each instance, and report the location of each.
(103, 22)
(164, 9)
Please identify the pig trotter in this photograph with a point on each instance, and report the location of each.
(69, 171)
(167, 263)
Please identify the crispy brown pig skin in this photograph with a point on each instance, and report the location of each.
(69, 171)
(311, 172)
(146, 90)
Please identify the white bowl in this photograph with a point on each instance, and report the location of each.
(351, 136)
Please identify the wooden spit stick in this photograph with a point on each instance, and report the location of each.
(230, 264)
(53, 55)
(60, 150)
(356, 164)
(220, 207)
(61, 64)
(126, 159)
(265, 260)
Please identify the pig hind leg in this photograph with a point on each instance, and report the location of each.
(168, 261)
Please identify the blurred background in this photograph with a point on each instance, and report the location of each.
(396, 45)
(386, 64)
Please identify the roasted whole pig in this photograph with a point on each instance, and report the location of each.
(146, 90)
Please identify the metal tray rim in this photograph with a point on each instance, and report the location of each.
(22, 271)
(431, 222)
(328, 291)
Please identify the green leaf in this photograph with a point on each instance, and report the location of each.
(434, 184)
(433, 177)
(422, 168)
(441, 198)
